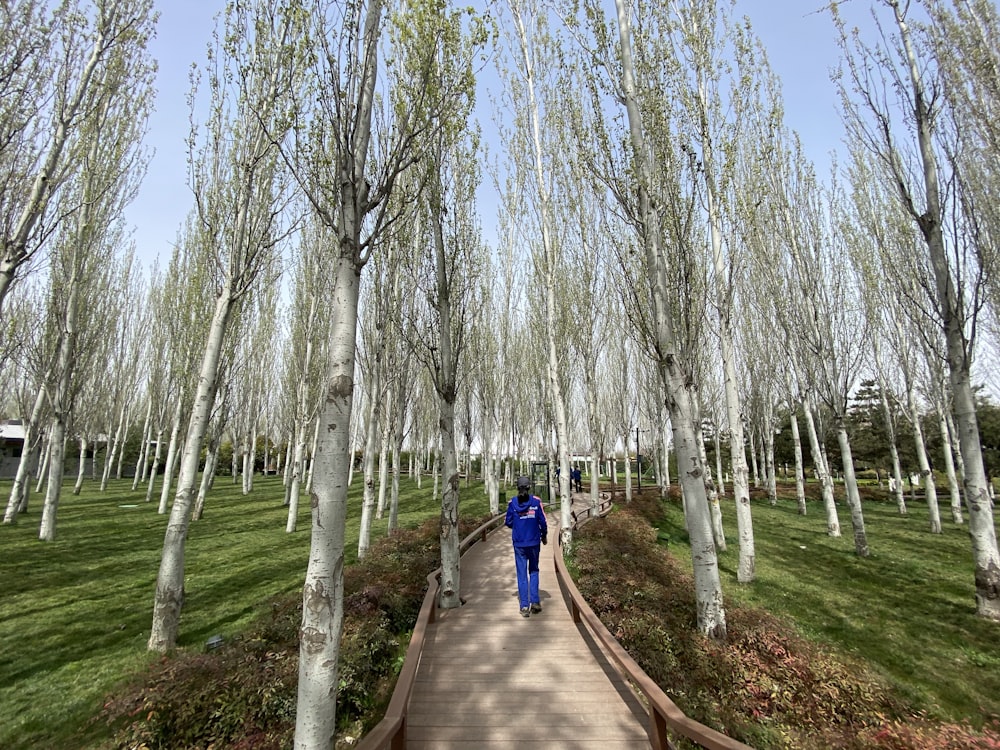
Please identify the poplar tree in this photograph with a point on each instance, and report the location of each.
(27, 362)
(793, 205)
(183, 316)
(588, 232)
(831, 330)
(349, 147)
(378, 309)
(963, 35)
(240, 195)
(715, 120)
(57, 66)
(111, 165)
(127, 361)
(904, 66)
(305, 358)
(661, 214)
(449, 278)
(537, 56)
(496, 351)
(880, 247)
(589, 240)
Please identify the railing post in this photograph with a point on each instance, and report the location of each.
(658, 730)
(399, 739)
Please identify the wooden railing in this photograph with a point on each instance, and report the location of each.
(390, 733)
(663, 712)
(590, 511)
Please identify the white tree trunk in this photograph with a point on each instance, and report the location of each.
(57, 448)
(718, 531)
(22, 478)
(665, 454)
(170, 580)
(297, 466)
(753, 460)
(371, 443)
(949, 466)
(114, 453)
(168, 466)
(491, 481)
(144, 438)
(822, 472)
(593, 420)
(720, 479)
(926, 475)
(267, 450)
(312, 460)
(627, 469)
(956, 448)
(154, 468)
(61, 409)
(398, 434)
(43, 466)
(286, 474)
(851, 490)
(772, 479)
(211, 461)
(251, 467)
(897, 472)
(323, 591)
(677, 383)
(800, 475)
(245, 470)
(746, 567)
(451, 575)
(383, 467)
(81, 468)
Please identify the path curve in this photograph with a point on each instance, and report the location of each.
(491, 679)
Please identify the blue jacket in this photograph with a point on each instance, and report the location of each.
(526, 520)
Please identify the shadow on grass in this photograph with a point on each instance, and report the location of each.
(75, 613)
(908, 609)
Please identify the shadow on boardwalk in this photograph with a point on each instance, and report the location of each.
(492, 679)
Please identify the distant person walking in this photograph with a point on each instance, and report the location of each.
(577, 476)
(526, 520)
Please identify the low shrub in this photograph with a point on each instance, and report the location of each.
(243, 694)
(919, 733)
(224, 698)
(764, 685)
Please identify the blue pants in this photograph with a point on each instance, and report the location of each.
(526, 562)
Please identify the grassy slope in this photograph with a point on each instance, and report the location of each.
(908, 609)
(75, 614)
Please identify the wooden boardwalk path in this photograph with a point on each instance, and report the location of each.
(492, 679)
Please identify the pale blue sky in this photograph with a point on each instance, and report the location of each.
(800, 42)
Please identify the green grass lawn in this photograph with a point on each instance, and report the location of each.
(75, 613)
(908, 609)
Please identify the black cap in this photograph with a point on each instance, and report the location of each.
(523, 483)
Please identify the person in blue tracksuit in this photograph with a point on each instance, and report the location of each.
(526, 520)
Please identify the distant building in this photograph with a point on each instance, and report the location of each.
(11, 447)
(12, 435)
